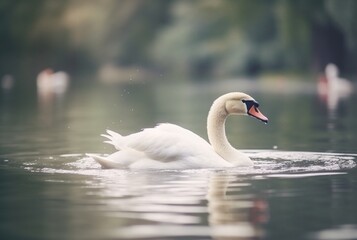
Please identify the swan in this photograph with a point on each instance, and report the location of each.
(168, 146)
(49, 82)
(332, 88)
(335, 83)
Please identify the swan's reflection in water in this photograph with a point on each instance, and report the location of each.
(190, 204)
(234, 208)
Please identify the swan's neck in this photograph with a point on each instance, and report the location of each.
(217, 135)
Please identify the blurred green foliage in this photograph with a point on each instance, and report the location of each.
(203, 38)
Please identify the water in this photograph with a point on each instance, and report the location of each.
(303, 184)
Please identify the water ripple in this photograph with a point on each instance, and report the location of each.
(265, 162)
(192, 203)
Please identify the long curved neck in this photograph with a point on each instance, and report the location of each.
(217, 135)
(216, 129)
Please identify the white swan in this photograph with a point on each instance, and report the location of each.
(332, 88)
(336, 84)
(49, 82)
(168, 146)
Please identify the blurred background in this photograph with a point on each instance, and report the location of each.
(70, 69)
(196, 39)
(76, 67)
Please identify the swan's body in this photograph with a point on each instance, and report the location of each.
(168, 146)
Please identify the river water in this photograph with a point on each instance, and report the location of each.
(303, 184)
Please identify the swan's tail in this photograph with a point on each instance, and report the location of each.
(115, 139)
(105, 162)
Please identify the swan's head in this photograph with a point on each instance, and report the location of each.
(238, 103)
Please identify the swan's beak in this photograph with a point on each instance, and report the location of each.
(254, 112)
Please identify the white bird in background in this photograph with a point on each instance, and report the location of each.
(168, 146)
(331, 88)
(49, 82)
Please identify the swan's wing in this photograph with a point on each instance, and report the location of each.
(172, 128)
(114, 139)
(168, 142)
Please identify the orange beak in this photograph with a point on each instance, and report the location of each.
(254, 111)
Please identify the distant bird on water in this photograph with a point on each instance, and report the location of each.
(331, 88)
(52, 82)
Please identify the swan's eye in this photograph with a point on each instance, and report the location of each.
(250, 104)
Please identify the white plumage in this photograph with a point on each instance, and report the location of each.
(49, 82)
(332, 88)
(168, 146)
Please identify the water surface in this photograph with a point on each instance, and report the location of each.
(302, 186)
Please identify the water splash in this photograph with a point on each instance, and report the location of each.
(265, 163)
